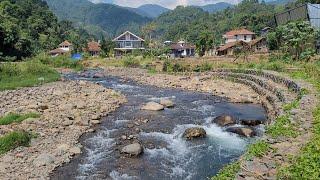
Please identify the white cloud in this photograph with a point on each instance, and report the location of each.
(165, 3)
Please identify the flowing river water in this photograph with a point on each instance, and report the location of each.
(167, 155)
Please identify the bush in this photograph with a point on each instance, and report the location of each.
(13, 140)
(60, 62)
(131, 62)
(167, 66)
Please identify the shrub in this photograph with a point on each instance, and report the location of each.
(167, 66)
(130, 62)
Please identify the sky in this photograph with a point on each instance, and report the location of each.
(165, 3)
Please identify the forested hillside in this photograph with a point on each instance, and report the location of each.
(193, 24)
(28, 27)
(110, 18)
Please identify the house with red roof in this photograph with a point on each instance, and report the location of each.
(93, 48)
(239, 35)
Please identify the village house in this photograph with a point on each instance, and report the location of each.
(182, 49)
(239, 35)
(64, 48)
(127, 43)
(93, 48)
(259, 45)
(229, 48)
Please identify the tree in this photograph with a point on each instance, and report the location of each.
(298, 38)
(204, 43)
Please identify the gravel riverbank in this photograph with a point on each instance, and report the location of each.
(68, 110)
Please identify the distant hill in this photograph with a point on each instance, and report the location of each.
(212, 8)
(110, 18)
(152, 10)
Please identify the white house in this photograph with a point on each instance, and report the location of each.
(239, 35)
(128, 42)
(66, 46)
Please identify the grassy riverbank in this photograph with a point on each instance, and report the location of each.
(34, 72)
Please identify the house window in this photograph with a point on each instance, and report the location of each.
(245, 37)
(128, 44)
(236, 37)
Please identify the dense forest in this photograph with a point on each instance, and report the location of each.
(104, 19)
(28, 27)
(190, 23)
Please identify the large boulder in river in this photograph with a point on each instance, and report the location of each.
(132, 149)
(251, 122)
(242, 131)
(167, 103)
(224, 120)
(195, 132)
(153, 106)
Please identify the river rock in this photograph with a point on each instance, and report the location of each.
(43, 160)
(195, 132)
(167, 103)
(224, 120)
(242, 131)
(153, 106)
(132, 149)
(251, 122)
(98, 75)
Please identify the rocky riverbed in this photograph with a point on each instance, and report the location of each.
(68, 109)
(235, 92)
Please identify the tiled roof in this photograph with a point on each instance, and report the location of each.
(230, 45)
(93, 46)
(239, 32)
(65, 43)
(255, 41)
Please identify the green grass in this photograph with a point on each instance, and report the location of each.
(25, 74)
(228, 172)
(282, 127)
(307, 164)
(60, 62)
(13, 140)
(290, 106)
(258, 149)
(16, 118)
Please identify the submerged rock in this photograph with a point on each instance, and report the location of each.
(242, 131)
(224, 120)
(153, 106)
(132, 149)
(167, 103)
(195, 132)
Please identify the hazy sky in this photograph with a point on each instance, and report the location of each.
(165, 3)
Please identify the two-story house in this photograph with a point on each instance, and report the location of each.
(64, 48)
(239, 35)
(128, 42)
(239, 38)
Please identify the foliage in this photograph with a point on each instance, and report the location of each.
(110, 18)
(28, 27)
(60, 62)
(193, 24)
(13, 140)
(129, 61)
(306, 165)
(258, 149)
(282, 127)
(25, 74)
(228, 172)
(16, 118)
(296, 39)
